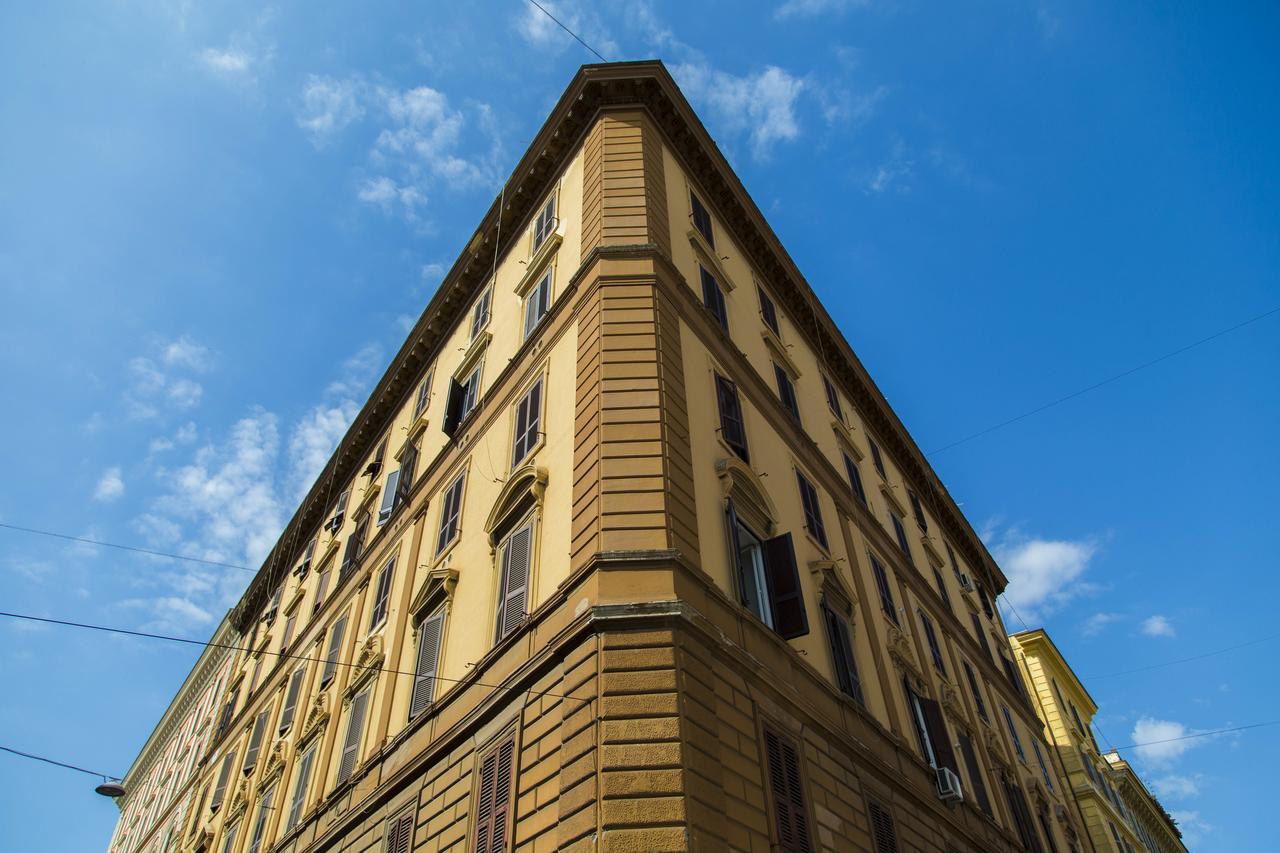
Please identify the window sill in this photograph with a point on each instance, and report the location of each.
(825, 549)
(894, 503)
(438, 560)
(538, 263)
(932, 551)
(779, 354)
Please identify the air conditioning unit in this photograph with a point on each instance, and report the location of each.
(966, 582)
(949, 790)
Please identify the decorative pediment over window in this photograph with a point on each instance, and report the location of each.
(317, 716)
(751, 501)
(203, 838)
(904, 656)
(368, 664)
(474, 353)
(524, 490)
(276, 761)
(239, 803)
(996, 748)
(839, 595)
(436, 590)
(951, 704)
(1060, 812)
(779, 353)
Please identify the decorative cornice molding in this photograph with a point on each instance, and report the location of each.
(274, 769)
(316, 717)
(368, 663)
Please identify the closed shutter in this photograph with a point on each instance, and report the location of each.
(300, 786)
(855, 480)
(515, 580)
(291, 698)
(255, 742)
(713, 299)
(400, 832)
(788, 793)
(260, 824)
(453, 407)
(732, 429)
(493, 798)
(936, 727)
(980, 634)
(388, 497)
(220, 789)
(975, 773)
(227, 711)
(882, 830)
(430, 634)
(1022, 817)
(886, 592)
(382, 594)
(351, 746)
(335, 649)
(786, 599)
(977, 693)
(842, 654)
(528, 423)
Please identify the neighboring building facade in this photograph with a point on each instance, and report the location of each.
(626, 552)
(1121, 815)
(156, 804)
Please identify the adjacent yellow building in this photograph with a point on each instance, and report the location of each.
(627, 552)
(1119, 811)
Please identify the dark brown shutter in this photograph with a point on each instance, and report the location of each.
(223, 776)
(882, 830)
(975, 773)
(731, 426)
(355, 544)
(786, 598)
(424, 676)
(1021, 816)
(453, 408)
(981, 634)
(493, 806)
(943, 755)
(335, 650)
(515, 580)
(400, 832)
(731, 518)
(351, 746)
(255, 742)
(291, 698)
(408, 463)
(842, 654)
(788, 793)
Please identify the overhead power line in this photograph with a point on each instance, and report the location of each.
(234, 648)
(567, 30)
(133, 548)
(103, 776)
(1038, 409)
(1201, 734)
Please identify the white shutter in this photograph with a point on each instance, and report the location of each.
(515, 579)
(430, 635)
(355, 728)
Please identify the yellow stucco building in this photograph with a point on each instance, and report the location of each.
(1120, 813)
(626, 552)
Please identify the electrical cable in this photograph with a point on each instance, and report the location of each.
(230, 647)
(1200, 734)
(569, 31)
(1106, 381)
(1184, 660)
(124, 547)
(102, 776)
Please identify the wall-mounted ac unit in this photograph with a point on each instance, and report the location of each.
(949, 790)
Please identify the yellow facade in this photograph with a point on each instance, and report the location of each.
(1119, 812)
(725, 641)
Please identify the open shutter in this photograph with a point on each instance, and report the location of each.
(786, 598)
(408, 462)
(291, 698)
(882, 828)
(335, 649)
(224, 775)
(515, 580)
(788, 794)
(355, 544)
(975, 773)
(424, 675)
(255, 742)
(934, 725)
(351, 746)
(388, 497)
(453, 408)
(735, 549)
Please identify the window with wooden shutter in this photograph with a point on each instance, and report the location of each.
(517, 554)
(255, 743)
(528, 424)
(855, 479)
(287, 637)
(399, 833)
(918, 511)
(322, 585)
(334, 651)
(304, 565)
(351, 745)
(228, 710)
(229, 840)
(812, 510)
(931, 637)
(1013, 733)
(901, 533)
(430, 635)
(493, 797)
(883, 588)
(537, 304)
(424, 390)
(939, 742)
(701, 219)
(453, 407)
(732, 428)
(300, 785)
(382, 594)
(713, 299)
(787, 392)
(259, 825)
(291, 698)
(480, 314)
(768, 311)
(1021, 816)
(355, 545)
(846, 667)
(980, 634)
(450, 513)
(408, 468)
(791, 819)
(833, 398)
(388, 498)
(786, 596)
(977, 693)
(224, 776)
(883, 832)
(976, 784)
(545, 225)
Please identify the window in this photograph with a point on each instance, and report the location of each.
(768, 312)
(918, 511)
(305, 565)
(942, 587)
(449, 515)
(264, 807)
(931, 637)
(977, 694)
(882, 828)
(980, 634)
(1044, 768)
(291, 698)
(227, 711)
(701, 219)
(1021, 816)
(339, 512)
(876, 458)
(812, 510)
(355, 545)
(975, 772)
(732, 428)
(768, 580)
(399, 838)
(1011, 673)
(545, 225)
(882, 586)
(901, 533)
(229, 842)
(713, 299)
(791, 819)
(274, 605)
(1013, 733)
(493, 796)
(424, 390)
(399, 484)
(833, 398)
(382, 594)
(846, 667)
(787, 392)
(430, 637)
(375, 466)
(528, 423)
(1043, 816)
(986, 602)
(255, 743)
(321, 585)
(463, 396)
(855, 479)
(916, 705)
(536, 304)
(351, 744)
(1075, 715)
(335, 650)
(479, 318)
(224, 775)
(287, 637)
(300, 786)
(513, 589)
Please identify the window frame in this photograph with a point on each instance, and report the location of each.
(812, 506)
(524, 443)
(787, 394)
(538, 298)
(727, 392)
(482, 312)
(546, 222)
(833, 397)
(713, 298)
(768, 311)
(382, 596)
(881, 575)
(450, 519)
(696, 207)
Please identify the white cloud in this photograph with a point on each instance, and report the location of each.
(1175, 787)
(154, 384)
(894, 172)
(1043, 573)
(328, 106)
(1098, 622)
(762, 105)
(231, 60)
(811, 8)
(185, 352)
(432, 272)
(184, 393)
(169, 613)
(542, 32)
(1158, 626)
(1162, 742)
(247, 53)
(110, 486)
(186, 433)
(1193, 827)
(313, 441)
(355, 377)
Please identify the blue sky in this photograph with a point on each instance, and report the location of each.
(216, 225)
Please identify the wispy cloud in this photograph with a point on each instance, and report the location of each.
(155, 382)
(812, 8)
(1044, 574)
(761, 104)
(1098, 622)
(187, 352)
(329, 105)
(1158, 626)
(1193, 827)
(110, 486)
(1176, 787)
(542, 32)
(246, 55)
(1162, 742)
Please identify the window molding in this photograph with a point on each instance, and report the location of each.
(539, 262)
(436, 591)
(475, 353)
(778, 352)
(750, 498)
(707, 257)
(367, 664)
(526, 488)
(895, 505)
